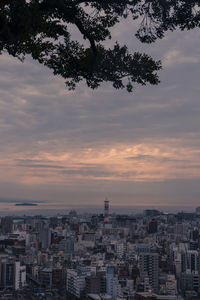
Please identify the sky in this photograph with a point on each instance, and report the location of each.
(78, 147)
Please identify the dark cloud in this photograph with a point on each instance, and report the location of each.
(191, 166)
(29, 161)
(152, 158)
(88, 171)
(100, 172)
(40, 166)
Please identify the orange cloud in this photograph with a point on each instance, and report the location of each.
(127, 162)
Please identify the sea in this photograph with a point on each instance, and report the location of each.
(50, 208)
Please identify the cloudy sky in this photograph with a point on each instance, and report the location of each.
(79, 146)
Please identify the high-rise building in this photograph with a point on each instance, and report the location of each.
(148, 266)
(45, 277)
(12, 274)
(95, 284)
(190, 260)
(113, 288)
(75, 282)
(7, 271)
(120, 249)
(67, 246)
(106, 223)
(7, 224)
(153, 226)
(20, 276)
(45, 237)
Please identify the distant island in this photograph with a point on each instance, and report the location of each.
(26, 204)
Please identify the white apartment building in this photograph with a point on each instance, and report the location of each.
(20, 276)
(120, 249)
(113, 288)
(75, 282)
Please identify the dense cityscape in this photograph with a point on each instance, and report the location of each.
(152, 256)
(99, 98)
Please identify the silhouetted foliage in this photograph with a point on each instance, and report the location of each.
(42, 29)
